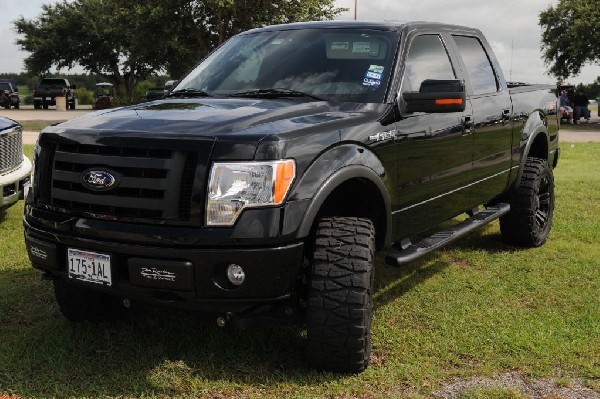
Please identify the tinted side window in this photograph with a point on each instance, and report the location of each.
(427, 59)
(479, 68)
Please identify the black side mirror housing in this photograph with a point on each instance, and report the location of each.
(437, 96)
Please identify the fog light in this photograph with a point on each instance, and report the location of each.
(235, 274)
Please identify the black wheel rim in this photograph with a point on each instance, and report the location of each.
(544, 204)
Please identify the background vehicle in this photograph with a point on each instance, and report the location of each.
(154, 93)
(261, 187)
(9, 94)
(105, 93)
(15, 168)
(50, 88)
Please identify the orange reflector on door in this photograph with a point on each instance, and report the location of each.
(448, 101)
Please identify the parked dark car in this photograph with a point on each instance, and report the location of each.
(9, 94)
(50, 88)
(260, 188)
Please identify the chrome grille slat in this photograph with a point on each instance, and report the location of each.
(11, 150)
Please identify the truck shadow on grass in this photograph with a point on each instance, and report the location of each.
(165, 352)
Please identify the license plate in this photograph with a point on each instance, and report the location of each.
(48, 98)
(91, 267)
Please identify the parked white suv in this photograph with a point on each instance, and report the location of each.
(15, 168)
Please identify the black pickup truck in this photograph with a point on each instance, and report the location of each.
(260, 188)
(9, 94)
(49, 88)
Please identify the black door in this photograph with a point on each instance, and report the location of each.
(434, 150)
(492, 117)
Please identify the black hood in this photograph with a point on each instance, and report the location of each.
(220, 118)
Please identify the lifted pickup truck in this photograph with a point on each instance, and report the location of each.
(15, 168)
(260, 188)
(50, 88)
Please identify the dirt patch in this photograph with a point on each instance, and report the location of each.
(530, 387)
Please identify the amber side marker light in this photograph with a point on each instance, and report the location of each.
(284, 173)
(448, 101)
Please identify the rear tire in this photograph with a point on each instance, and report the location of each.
(81, 304)
(531, 206)
(17, 106)
(37, 106)
(340, 295)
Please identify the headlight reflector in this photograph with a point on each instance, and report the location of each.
(234, 186)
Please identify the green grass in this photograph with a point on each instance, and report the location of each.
(34, 126)
(478, 307)
(24, 91)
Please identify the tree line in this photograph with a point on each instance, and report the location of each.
(126, 42)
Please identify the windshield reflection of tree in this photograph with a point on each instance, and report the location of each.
(308, 61)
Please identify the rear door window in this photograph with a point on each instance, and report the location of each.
(479, 68)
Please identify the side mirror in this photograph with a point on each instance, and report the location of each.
(437, 96)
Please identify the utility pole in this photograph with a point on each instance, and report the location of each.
(355, 8)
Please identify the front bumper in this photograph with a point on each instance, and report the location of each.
(200, 282)
(12, 183)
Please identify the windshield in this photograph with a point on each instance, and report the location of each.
(53, 82)
(334, 64)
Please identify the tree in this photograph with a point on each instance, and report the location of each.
(570, 36)
(125, 41)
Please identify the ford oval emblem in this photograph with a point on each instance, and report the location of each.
(98, 180)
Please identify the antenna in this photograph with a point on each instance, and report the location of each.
(512, 50)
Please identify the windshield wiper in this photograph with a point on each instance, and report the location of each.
(189, 92)
(274, 93)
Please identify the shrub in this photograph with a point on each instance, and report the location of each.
(84, 96)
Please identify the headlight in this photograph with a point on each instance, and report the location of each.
(234, 186)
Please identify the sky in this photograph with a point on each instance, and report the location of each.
(511, 27)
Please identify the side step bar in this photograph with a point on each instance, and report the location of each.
(410, 252)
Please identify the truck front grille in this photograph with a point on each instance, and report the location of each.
(152, 183)
(11, 150)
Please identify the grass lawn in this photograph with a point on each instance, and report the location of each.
(478, 307)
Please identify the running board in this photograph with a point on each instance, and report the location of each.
(410, 252)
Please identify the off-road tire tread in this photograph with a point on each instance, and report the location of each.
(80, 304)
(518, 227)
(340, 295)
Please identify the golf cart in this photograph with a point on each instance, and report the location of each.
(104, 95)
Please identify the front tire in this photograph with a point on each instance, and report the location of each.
(340, 293)
(80, 304)
(531, 206)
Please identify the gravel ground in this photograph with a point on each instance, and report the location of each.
(530, 387)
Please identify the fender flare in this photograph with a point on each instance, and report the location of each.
(538, 129)
(348, 165)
